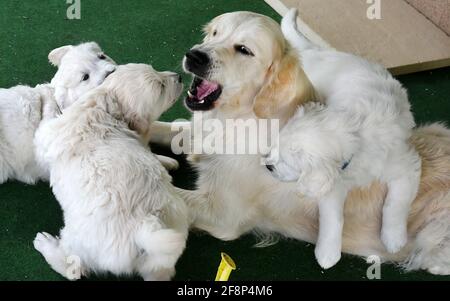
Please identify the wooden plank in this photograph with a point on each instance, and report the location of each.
(438, 11)
(403, 40)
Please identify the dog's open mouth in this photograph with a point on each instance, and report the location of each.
(202, 94)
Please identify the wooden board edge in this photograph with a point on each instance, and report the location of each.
(313, 36)
(419, 67)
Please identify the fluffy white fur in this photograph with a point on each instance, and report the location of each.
(236, 194)
(22, 108)
(121, 212)
(361, 135)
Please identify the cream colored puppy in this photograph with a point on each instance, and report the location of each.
(121, 212)
(81, 68)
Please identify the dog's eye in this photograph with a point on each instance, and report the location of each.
(243, 50)
(102, 56)
(85, 77)
(214, 33)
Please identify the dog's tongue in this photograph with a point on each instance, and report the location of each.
(205, 89)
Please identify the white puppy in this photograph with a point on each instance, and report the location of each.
(22, 108)
(121, 212)
(359, 136)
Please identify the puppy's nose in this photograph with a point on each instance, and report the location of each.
(197, 57)
(110, 72)
(270, 167)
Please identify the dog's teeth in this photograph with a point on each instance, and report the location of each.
(201, 101)
(190, 94)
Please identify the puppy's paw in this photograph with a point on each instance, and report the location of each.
(171, 164)
(327, 256)
(394, 238)
(159, 275)
(45, 243)
(439, 270)
(49, 247)
(168, 163)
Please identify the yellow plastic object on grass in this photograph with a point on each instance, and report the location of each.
(226, 266)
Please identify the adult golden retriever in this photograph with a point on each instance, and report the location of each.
(245, 68)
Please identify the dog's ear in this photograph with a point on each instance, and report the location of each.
(105, 100)
(93, 46)
(134, 115)
(56, 55)
(286, 88)
(112, 106)
(141, 126)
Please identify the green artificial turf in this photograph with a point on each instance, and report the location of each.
(156, 32)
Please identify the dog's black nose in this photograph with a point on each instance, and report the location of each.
(198, 57)
(270, 167)
(197, 62)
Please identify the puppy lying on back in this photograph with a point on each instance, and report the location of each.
(80, 69)
(121, 212)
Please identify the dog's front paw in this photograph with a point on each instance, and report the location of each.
(171, 164)
(394, 238)
(439, 270)
(327, 256)
(168, 163)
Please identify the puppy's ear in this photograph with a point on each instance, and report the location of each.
(134, 116)
(56, 55)
(286, 88)
(94, 46)
(104, 100)
(140, 125)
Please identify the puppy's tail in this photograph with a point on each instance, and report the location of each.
(162, 246)
(291, 32)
